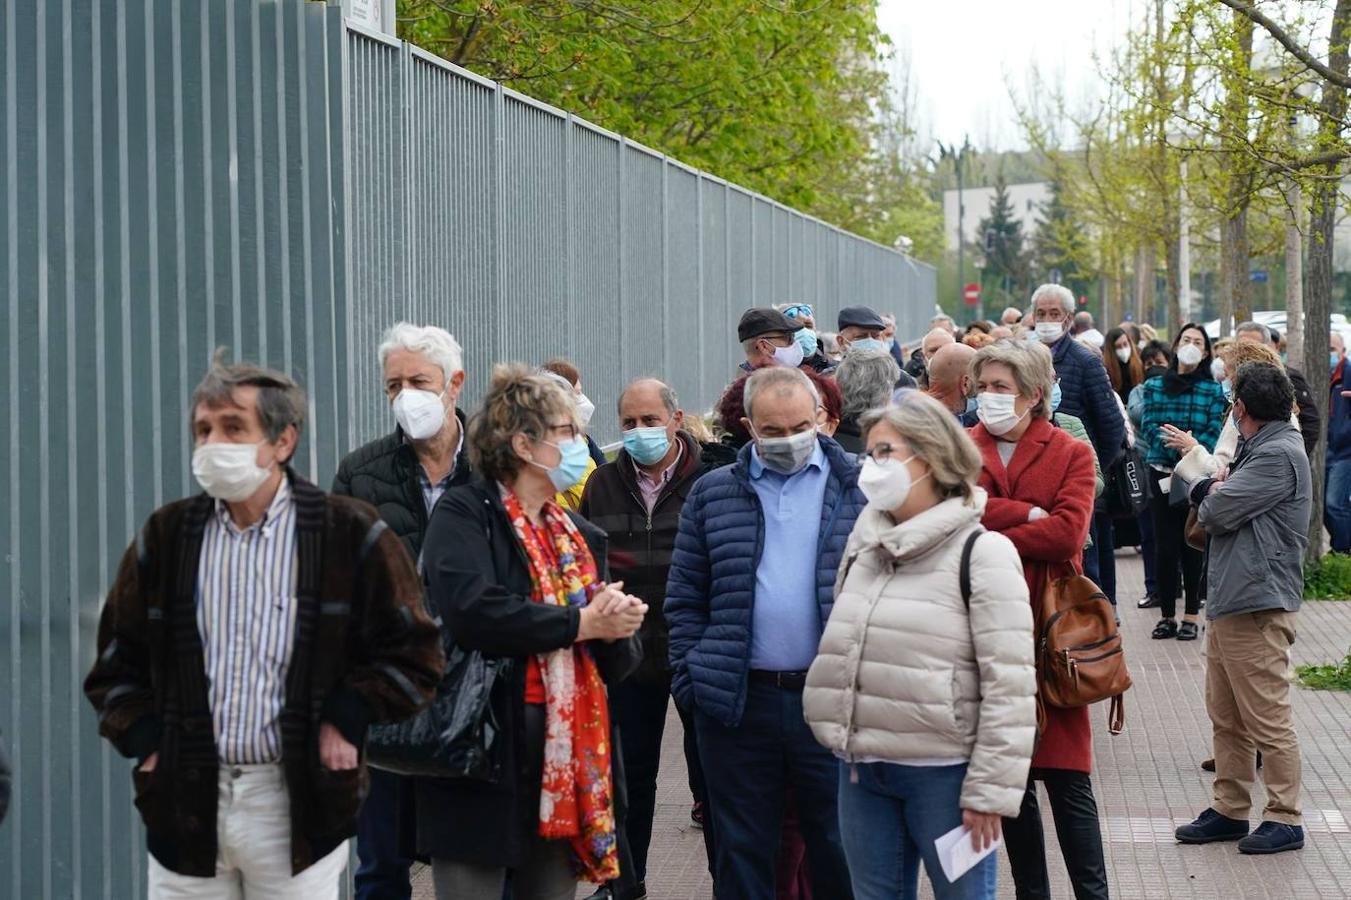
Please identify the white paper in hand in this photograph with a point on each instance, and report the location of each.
(956, 853)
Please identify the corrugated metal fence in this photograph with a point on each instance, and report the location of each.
(177, 176)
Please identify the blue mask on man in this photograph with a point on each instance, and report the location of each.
(867, 344)
(647, 445)
(1333, 358)
(806, 339)
(1055, 397)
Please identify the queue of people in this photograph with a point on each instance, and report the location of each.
(839, 581)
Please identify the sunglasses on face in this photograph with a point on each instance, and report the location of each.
(802, 310)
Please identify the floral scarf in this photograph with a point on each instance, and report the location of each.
(576, 799)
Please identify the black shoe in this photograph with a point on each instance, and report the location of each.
(1167, 628)
(611, 892)
(1210, 827)
(1187, 631)
(1150, 602)
(1208, 765)
(697, 815)
(1273, 837)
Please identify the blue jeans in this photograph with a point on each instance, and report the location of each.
(1337, 505)
(747, 770)
(890, 819)
(382, 873)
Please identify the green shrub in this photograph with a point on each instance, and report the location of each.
(1327, 677)
(1328, 579)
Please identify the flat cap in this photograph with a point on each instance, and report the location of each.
(860, 317)
(760, 320)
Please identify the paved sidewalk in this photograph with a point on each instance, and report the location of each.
(1147, 780)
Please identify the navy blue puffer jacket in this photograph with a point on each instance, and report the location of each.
(1086, 393)
(711, 587)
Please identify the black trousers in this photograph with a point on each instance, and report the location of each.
(1076, 826)
(1172, 555)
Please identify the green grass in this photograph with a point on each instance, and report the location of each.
(1328, 579)
(1327, 677)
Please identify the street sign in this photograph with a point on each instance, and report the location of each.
(971, 294)
(1258, 275)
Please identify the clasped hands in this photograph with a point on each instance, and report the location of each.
(611, 615)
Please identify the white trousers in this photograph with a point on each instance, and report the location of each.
(253, 855)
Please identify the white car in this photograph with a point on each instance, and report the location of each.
(1276, 319)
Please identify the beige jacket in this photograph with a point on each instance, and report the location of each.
(904, 672)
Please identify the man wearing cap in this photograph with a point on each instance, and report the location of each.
(766, 336)
(861, 329)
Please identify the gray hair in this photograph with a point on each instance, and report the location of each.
(1031, 365)
(888, 318)
(779, 379)
(1256, 328)
(437, 344)
(668, 394)
(866, 380)
(281, 402)
(944, 317)
(1060, 292)
(935, 436)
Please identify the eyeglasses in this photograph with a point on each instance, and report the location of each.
(879, 453)
(800, 311)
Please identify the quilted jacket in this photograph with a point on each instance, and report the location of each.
(907, 671)
(711, 588)
(1086, 393)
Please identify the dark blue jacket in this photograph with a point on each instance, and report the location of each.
(1339, 417)
(711, 588)
(1086, 393)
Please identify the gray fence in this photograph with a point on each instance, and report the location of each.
(177, 176)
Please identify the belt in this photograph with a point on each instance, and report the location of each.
(789, 681)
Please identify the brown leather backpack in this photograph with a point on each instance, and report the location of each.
(1079, 654)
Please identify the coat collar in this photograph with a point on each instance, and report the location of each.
(1028, 451)
(914, 537)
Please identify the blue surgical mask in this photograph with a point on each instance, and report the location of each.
(1228, 387)
(572, 463)
(647, 445)
(1333, 358)
(1055, 396)
(867, 344)
(806, 339)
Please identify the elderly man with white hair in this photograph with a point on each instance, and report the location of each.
(403, 474)
(1085, 393)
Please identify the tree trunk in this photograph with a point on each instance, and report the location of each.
(1235, 306)
(1322, 224)
(1144, 282)
(1294, 277)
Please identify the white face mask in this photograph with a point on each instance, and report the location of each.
(886, 484)
(1050, 332)
(1123, 354)
(789, 357)
(585, 409)
(1218, 370)
(229, 472)
(1189, 355)
(421, 414)
(998, 413)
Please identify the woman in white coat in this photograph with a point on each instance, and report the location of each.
(926, 695)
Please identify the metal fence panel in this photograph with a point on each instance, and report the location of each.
(180, 176)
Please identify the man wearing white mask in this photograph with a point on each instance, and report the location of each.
(767, 339)
(1086, 394)
(403, 474)
(751, 583)
(253, 633)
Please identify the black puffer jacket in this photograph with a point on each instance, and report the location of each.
(384, 473)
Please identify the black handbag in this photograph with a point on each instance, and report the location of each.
(1127, 491)
(458, 734)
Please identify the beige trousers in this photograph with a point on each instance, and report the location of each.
(1248, 699)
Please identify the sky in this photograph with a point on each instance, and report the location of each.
(964, 54)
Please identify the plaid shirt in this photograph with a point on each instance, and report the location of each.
(1200, 410)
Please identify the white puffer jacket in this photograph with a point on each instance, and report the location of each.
(904, 672)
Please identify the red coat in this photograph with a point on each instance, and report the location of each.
(1054, 471)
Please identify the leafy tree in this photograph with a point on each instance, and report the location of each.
(1006, 260)
(787, 97)
(1062, 244)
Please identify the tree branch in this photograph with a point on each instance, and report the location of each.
(1285, 40)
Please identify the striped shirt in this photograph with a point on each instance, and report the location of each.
(246, 614)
